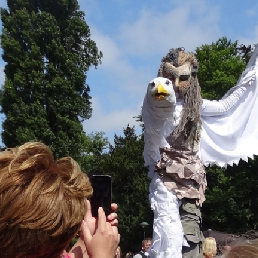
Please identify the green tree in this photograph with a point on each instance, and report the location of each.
(94, 147)
(230, 203)
(124, 162)
(47, 49)
(220, 67)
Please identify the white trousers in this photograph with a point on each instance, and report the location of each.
(168, 235)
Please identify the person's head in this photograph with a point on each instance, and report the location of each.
(225, 248)
(209, 247)
(245, 249)
(118, 252)
(146, 244)
(42, 201)
(181, 68)
(129, 255)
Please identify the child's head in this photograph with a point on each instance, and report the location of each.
(209, 247)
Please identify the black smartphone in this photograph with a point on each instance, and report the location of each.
(102, 194)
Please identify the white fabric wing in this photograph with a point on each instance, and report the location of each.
(232, 136)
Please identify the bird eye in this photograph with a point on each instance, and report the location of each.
(167, 82)
(152, 84)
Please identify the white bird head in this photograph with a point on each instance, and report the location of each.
(160, 93)
(158, 117)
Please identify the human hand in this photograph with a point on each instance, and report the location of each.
(92, 221)
(104, 241)
(79, 249)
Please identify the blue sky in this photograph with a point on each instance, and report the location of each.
(135, 34)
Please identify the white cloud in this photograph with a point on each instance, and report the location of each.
(108, 46)
(252, 12)
(157, 31)
(112, 121)
(253, 39)
(119, 72)
(148, 38)
(133, 50)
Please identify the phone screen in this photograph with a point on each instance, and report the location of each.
(102, 194)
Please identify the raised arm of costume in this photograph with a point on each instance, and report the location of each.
(221, 107)
(234, 95)
(229, 126)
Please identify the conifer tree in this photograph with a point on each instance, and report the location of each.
(47, 49)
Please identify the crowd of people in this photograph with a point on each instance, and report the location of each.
(240, 249)
(210, 249)
(44, 204)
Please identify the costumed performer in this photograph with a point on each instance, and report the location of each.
(182, 133)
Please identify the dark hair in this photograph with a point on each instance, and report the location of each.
(145, 240)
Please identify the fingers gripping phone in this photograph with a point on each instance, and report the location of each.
(102, 194)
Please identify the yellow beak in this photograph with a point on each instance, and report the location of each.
(160, 92)
(161, 89)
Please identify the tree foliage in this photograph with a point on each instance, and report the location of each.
(94, 147)
(124, 162)
(231, 204)
(220, 67)
(47, 49)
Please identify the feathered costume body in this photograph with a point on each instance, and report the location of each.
(182, 133)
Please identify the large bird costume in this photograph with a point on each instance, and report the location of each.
(182, 133)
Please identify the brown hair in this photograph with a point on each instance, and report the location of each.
(42, 201)
(245, 249)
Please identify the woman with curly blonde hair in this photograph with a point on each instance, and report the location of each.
(43, 203)
(209, 247)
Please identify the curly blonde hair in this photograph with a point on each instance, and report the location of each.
(209, 247)
(42, 201)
